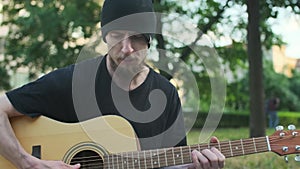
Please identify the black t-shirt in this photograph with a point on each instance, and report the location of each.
(85, 90)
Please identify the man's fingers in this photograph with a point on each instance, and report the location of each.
(205, 162)
(213, 159)
(196, 163)
(208, 158)
(221, 157)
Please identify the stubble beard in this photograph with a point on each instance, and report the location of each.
(124, 70)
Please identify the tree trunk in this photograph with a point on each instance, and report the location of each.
(257, 115)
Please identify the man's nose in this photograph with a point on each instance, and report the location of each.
(127, 47)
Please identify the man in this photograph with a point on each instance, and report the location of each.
(272, 106)
(120, 73)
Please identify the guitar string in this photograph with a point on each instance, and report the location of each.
(233, 143)
(150, 163)
(143, 160)
(246, 143)
(99, 164)
(175, 149)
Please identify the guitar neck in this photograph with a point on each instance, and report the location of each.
(182, 155)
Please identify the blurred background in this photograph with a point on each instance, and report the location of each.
(257, 43)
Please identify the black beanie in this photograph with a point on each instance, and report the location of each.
(132, 15)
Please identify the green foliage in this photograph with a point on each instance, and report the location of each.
(227, 120)
(275, 84)
(44, 34)
(4, 80)
(241, 119)
(287, 90)
(213, 17)
(287, 118)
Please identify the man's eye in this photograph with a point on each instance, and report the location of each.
(137, 37)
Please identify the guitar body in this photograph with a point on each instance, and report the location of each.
(109, 142)
(52, 140)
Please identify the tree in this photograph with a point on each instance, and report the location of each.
(211, 16)
(45, 34)
(257, 115)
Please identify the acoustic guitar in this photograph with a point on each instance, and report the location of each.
(109, 142)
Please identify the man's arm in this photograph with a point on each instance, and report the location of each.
(10, 147)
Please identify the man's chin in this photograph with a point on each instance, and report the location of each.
(128, 61)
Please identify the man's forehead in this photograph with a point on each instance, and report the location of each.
(124, 32)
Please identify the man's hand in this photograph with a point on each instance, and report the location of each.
(40, 164)
(208, 158)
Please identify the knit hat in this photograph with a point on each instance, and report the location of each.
(131, 15)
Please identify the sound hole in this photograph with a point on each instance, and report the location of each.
(88, 160)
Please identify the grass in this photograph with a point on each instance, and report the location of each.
(267, 160)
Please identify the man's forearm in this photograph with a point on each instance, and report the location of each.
(10, 147)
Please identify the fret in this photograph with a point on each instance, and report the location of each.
(249, 146)
(149, 160)
(226, 149)
(113, 163)
(117, 159)
(186, 155)
(108, 162)
(190, 150)
(237, 148)
(174, 162)
(158, 160)
(134, 160)
(139, 159)
(154, 158)
(254, 144)
(145, 162)
(152, 162)
(242, 147)
(126, 162)
(230, 148)
(170, 160)
(181, 155)
(162, 157)
(122, 160)
(166, 159)
(177, 155)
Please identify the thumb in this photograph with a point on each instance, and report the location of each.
(214, 139)
(76, 166)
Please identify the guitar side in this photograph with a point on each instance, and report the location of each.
(55, 139)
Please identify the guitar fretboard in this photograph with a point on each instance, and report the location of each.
(182, 155)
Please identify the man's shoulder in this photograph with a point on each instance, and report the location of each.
(82, 67)
(161, 80)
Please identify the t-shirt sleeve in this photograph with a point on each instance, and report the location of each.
(50, 95)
